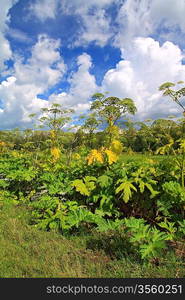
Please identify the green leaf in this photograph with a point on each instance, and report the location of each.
(152, 191)
(141, 186)
(152, 249)
(103, 200)
(80, 187)
(89, 178)
(126, 188)
(154, 244)
(170, 227)
(104, 181)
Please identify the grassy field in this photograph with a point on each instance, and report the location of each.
(27, 252)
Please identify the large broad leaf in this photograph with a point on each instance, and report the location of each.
(85, 187)
(152, 191)
(182, 144)
(166, 148)
(104, 180)
(80, 187)
(126, 188)
(155, 244)
(89, 182)
(151, 250)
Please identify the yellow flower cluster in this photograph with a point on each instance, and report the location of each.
(111, 156)
(2, 144)
(102, 155)
(95, 156)
(53, 134)
(76, 156)
(15, 153)
(116, 147)
(55, 152)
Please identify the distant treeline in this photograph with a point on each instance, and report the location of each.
(142, 137)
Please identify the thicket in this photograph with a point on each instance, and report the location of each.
(88, 180)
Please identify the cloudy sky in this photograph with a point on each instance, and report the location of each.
(65, 50)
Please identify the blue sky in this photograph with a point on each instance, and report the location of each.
(65, 50)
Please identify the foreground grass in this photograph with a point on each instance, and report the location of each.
(27, 252)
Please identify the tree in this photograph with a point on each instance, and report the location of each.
(129, 134)
(111, 109)
(145, 139)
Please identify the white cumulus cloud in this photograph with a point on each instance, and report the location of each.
(5, 49)
(82, 87)
(133, 18)
(150, 17)
(94, 20)
(142, 71)
(94, 24)
(41, 71)
(44, 9)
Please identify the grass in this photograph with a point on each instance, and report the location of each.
(27, 252)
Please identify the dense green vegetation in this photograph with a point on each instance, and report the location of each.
(29, 252)
(110, 203)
